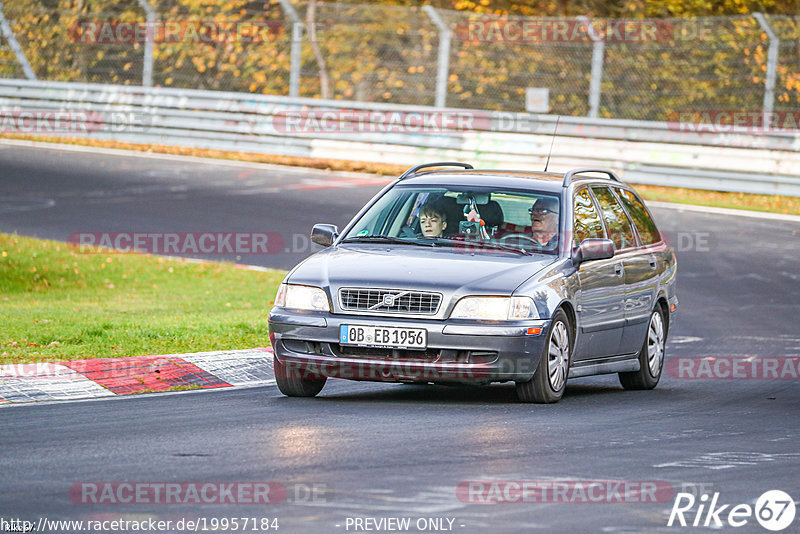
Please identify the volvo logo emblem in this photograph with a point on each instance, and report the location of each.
(390, 300)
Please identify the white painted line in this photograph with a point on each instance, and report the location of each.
(244, 266)
(236, 367)
(253, 268)
(45, 382)
(724, 211)
(124, 398)
(728, 460)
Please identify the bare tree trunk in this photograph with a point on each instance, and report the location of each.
(324, 84)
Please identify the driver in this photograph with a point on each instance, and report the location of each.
(544, 221)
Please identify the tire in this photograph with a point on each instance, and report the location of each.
(301, 383)
(550, 378)
(651, 355)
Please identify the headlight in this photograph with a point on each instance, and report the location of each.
(522, 308)
(301, 298)
(280, 297)
(495, 308)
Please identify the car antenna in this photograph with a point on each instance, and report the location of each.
(558, 118)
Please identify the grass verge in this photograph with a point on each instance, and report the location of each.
(698, 197)
(60, 303)
(721, 199)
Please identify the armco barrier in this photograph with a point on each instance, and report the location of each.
(644, 152)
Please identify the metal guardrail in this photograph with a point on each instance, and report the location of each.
(641, 151)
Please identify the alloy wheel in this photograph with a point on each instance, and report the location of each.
(558, 356)
(655, 344)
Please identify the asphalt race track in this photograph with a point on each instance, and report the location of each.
(381, 451)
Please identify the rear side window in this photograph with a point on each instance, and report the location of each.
(587, 219)
(648, 232)
(619, 226)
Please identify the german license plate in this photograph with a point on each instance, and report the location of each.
(383, 336)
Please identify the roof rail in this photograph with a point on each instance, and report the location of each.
(570, 174)
(417, 168)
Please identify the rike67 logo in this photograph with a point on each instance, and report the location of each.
(774, 510)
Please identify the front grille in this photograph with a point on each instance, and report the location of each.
(428, 355)
(403, 355)
(389, 301)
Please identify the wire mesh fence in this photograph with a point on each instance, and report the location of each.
(704, 65)
(646, 69)
(369, 53)
(9, 66)
(788, 68)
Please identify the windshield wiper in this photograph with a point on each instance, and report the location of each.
(482, 244)
(387, 239)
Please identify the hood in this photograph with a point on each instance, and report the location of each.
(447, 270)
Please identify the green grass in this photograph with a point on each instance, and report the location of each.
(58, 303)
(719, 199)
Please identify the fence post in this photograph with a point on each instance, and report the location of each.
(443, 71)
(772, 67)
(598, 56)
(8, 33)
(297, 41)
(149, 42)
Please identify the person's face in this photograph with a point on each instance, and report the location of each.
(432, 224)
(544, 218)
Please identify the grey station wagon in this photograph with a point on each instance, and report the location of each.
(458, 275)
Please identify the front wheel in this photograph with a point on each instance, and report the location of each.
(651, 356)
(297, 382)
(550, 379)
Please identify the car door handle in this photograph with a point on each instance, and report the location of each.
(653, 262)
(618, 269)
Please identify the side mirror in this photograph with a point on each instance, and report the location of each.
(592, 249)
(324, 234)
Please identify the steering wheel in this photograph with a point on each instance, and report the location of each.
(509, 237)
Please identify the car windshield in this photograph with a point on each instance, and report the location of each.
(486, 219)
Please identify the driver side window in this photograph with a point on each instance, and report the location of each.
(587, 220)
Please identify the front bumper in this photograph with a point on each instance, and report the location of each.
(458, 351)
(673, 305)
